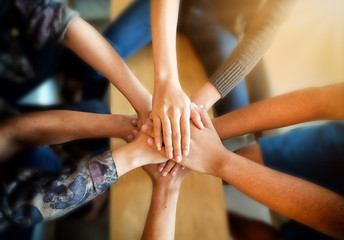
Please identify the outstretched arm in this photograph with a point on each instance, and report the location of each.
(298, 199)
(82, 39)
(249, 51)
(171, 106)
(59, 126)
(161, 218)
(317, 103)
(32, 196)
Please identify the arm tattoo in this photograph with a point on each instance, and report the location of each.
(36, 196)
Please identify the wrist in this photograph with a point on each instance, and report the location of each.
(167, 76)
(166, 189)
(144, 104)
(126, 159)
(221, 163)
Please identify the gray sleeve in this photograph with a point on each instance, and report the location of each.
(63, 18)
(42, 21)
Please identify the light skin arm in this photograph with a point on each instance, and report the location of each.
(58, 126)
(300, 200)
(172, 108)
(161, 218)
(82, 38)
(317, 103)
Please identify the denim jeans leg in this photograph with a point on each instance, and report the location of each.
(213, 44)
(131, 30)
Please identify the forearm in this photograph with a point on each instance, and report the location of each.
(164, 17)
(40, 196)
(82, 39)
(251, 48)
(54, 127)
(161, 218)
(300, 200)
(300, 106)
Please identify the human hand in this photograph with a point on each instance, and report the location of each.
(167, 181)
(206, 146)
(171, 115)
(136, 154)
(129, 129)
(142, 117)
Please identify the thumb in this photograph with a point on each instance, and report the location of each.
(195, 116)
(205, 118)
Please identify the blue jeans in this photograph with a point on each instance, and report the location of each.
(313, 153)
(213, 43)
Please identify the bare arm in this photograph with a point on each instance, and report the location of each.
(303, 201)
(171, 106)
(322, 103)
(54, 127)
(161, 218)
(300, 200)
(82, 39)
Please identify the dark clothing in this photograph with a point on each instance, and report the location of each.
(314, 153)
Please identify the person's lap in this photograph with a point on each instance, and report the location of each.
(312, 153)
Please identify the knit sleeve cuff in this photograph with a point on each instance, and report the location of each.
(226, 77)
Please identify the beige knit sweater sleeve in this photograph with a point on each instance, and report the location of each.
(251, 48)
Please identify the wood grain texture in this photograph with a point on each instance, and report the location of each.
(201, 209)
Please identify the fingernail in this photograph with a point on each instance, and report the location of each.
(150, 141)
(178, 158)
(144, 127)
(158, 146)
(174, 173)
(185, 153)
(200, 123)
(160, 169)
(170, 155)
(164, 174)
(201, 106)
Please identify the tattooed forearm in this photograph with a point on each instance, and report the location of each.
(36, 196)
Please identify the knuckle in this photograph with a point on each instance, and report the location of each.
(175, 135)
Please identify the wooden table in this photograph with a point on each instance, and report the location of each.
(201, 209)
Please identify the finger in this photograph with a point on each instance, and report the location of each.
(176, 137)
(166, 124)
(206, 119)
(134, 122)
(195, 116)
(135, 133)
(175, 169)
(148, 129)
(161, 166)
(170, 164)
(130, 137)
(157, 132)
(185, 132)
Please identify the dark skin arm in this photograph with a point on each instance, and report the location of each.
(54, 127)
(317, 103)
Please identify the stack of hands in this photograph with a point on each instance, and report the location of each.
(191, 148)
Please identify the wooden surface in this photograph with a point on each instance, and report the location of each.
(201, 207)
